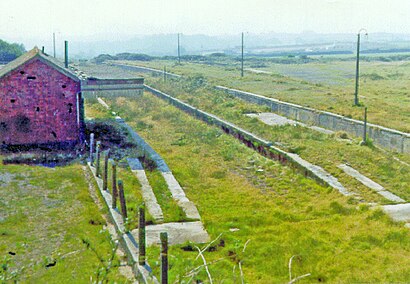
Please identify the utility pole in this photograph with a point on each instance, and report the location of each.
(179, 51)
(356, 92)
(242, 58)
(66, 54)
(54, 44)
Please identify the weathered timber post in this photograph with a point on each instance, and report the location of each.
(105, 177)
(141, 235)
(122, 200)
(164, 257)
(98, 153)
(91, 149)
(114, 186)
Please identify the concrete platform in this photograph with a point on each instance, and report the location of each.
(370, 183)
(178, 233)
(147, 193)
(399, 212)
(272, 119)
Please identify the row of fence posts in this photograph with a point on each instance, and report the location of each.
(117, 192)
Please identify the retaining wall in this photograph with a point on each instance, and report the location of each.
(260, 145)
(95, 87)
(387, 138)
(144, 70)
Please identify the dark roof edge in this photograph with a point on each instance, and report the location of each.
(46, 59)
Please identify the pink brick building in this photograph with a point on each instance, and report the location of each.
(40, 102)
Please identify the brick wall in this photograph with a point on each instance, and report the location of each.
(38, 105)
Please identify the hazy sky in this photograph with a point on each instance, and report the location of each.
(21, 20)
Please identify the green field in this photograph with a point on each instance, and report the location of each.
(255, 201)
(327, 151)
(325, 83)
(320, 149)
(46, 224)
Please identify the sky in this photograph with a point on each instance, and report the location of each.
(28, 20)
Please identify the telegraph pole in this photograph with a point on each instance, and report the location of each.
(54, 44)
(242, 58)
(356, 92)
(179, 51)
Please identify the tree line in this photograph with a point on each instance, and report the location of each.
(10, 51)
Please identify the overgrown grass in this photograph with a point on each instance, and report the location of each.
(132, 188)
(317, 148)
(133, 197)
(172, 212)
(247, 197)
(321, 84)
(46, 215)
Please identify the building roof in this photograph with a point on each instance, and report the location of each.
(49, 60)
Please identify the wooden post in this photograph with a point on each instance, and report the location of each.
(114, 186)
(164, 257)
(91, 148)
(122, 200)
(98, 153)
(105, 177)
(141, 234)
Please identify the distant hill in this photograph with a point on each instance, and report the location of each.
(10, 51)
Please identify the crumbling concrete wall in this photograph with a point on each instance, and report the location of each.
(387, 138)
(92, 88)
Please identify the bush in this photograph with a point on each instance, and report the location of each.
(103, 57)
(373, 76)
(133, 56)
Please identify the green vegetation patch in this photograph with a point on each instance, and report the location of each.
(326, 83)
(47, 218)
(274, 211)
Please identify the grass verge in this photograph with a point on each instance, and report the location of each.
(247, 197)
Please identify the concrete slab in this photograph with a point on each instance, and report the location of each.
(103, 103)
(398, 212)
(274, 119)
(178, 233)
(370, 183)
(321, 173)
(148, 195)
(258, 71)
(179, 196)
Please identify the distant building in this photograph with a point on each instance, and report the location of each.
(40, 102)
